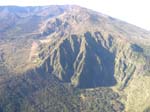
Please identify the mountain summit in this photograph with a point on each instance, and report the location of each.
(74, 48)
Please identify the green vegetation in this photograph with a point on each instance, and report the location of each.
(100, 100)
(33, 92)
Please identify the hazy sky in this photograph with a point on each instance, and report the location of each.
(133, 11)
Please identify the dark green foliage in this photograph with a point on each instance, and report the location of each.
(101, 100)
(36, 93)
(33, 92)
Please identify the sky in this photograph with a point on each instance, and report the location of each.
(136, 12)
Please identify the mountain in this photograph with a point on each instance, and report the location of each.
(69, 58)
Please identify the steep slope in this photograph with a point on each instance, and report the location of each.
(73, 47)
(94, 54)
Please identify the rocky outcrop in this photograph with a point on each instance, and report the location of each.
(91, 60)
